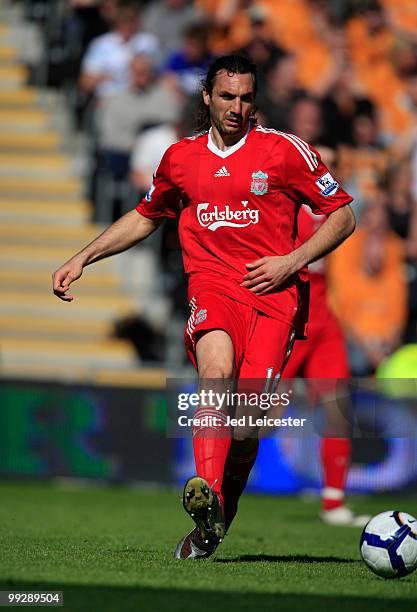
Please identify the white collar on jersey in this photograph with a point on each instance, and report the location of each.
(229, 151)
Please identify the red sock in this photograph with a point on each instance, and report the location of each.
(240, 461)
(211, 442)
(335, 458)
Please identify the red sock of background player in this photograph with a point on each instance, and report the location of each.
(211, 446)
(335, 457)
(240, 461)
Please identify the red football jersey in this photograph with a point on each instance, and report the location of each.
(308, 224)
(239, 205)
(324, 352)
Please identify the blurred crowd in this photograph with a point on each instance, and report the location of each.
(341, 74)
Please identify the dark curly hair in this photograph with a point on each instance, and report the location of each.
(232, 64)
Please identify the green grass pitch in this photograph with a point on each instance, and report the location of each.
(111, 549)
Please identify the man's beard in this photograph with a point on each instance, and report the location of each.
(223, 130)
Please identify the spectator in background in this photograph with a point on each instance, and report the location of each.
(322, 15)
(329, 52)
(120, 118)
(93, 18)
(363, 165)
(342, 104)
(105, 67)
(230, 24)
(167, 19)
(374, 54)
(404, 56)
(124, 115)
(281, 90)
(260, 48)
(402, 210)
(409, 101)
(306, 121)
(368, 290)
(411, 90)
(186, 66)
(87, 20)
(402, 205)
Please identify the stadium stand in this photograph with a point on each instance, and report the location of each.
(44, 218)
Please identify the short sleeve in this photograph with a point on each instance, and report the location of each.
(309, 180)
(163, 198)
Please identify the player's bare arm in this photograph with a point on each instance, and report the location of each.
(120, 236)
(268, 273)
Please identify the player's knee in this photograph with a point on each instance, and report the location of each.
(216, 371)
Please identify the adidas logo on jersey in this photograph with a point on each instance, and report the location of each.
(222, 172)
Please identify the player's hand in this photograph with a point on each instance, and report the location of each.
(63, 277)
(267, 273)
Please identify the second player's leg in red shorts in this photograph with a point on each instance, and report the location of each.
(268, 345)
(328, 360)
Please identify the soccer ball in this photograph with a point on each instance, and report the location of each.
(389, 544)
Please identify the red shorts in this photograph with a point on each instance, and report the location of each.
(323, 354)
(261, 343)
(322, 358)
